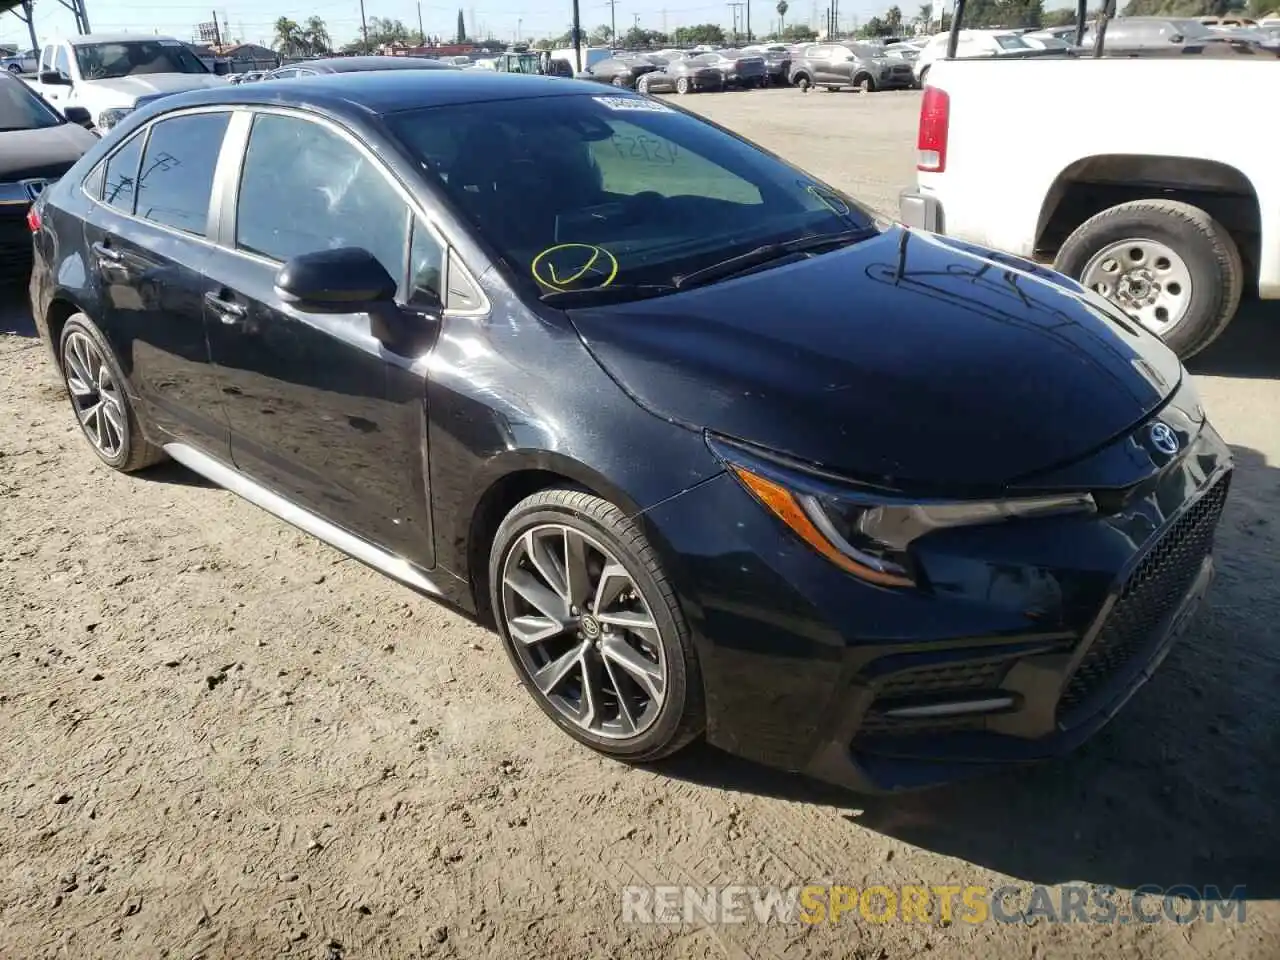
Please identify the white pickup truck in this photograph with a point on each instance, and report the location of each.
(1169, 216)
(109, 75)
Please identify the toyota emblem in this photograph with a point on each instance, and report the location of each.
(1163, 438)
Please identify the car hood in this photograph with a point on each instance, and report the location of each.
(904, 359)
(49, 152)
(129, 89)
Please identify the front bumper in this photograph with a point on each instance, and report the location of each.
(807, 669)
(920, 210)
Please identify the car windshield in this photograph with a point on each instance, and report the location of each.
(1012, 42)
(20, 109)
(585, 192)
(110, 61)
(1193, 30)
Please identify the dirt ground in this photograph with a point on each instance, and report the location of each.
(221, 739)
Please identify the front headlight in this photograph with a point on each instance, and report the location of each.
(869, 533)
(109, 118)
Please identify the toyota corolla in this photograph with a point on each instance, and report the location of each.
(715, 451)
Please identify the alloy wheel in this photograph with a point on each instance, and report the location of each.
(1145, 278)
(583, 633)
(95, 395)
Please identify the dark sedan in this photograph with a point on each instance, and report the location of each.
(737, 69)
(621, 71)
(711, 449)
(37, 145)
(681, 76)
(313, 68)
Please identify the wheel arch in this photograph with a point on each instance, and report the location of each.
(798, 75)
(1092, 184)
(510, 479)
(61, 309)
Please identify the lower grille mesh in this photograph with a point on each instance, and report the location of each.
(1149, 596)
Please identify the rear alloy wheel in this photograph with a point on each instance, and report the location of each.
(592, 626)
(682, 85)
(96, 387)
(642, 85)
(1169, 265)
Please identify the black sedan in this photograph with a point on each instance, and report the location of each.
(37, 145)
(737, 69)
(313, 68)
(681, 76)
(711, 449)
(620, 71)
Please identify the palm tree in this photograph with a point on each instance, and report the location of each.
(782, 9)
(316, 36)
(288, 39)
(893, 20)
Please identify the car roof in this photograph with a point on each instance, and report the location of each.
(387, 91)
(358, 64)
(88, 38)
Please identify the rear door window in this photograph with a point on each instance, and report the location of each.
(177, 171)
(121, 179)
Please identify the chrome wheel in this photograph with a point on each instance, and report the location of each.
(95, 395)
(583, 632)
(1145, 278)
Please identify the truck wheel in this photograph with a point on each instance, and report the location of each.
(1168, 264)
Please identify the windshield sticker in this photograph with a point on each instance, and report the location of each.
(633, 103)
(566, 265)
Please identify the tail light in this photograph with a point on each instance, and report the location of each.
(931, 139)
(33, 219)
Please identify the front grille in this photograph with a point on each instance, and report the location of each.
(923, 682)
(1150, 595)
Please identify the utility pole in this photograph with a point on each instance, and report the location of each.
(217, 32)
(577, 38)
(519, 28)
(422, 36)
(613, 21)
(26, 17)
(364, 31)
(748, 2)
(735, 7)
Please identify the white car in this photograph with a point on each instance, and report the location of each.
(21, 62)
(973, 44)
(109, 75)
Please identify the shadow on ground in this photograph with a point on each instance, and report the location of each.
(15, 314)
(1179, 789)
(1250, 347)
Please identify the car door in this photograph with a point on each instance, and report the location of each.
(147, 242)
(321, 411)
(820, 61)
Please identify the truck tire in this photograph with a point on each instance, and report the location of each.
(1167, 263)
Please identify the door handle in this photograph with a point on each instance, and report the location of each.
(103, 252)
(227, 311)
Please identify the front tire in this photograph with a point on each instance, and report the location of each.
(14, 69)
(1166, 263)
(619, 82)
(99, 396)
(592, 626)
(682, 85)
(803, 83)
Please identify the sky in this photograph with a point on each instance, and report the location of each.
(252, 21)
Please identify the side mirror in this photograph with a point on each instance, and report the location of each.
(345, 280)
(53, 78)
(79, 116)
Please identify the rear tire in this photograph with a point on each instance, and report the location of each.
(1202, 253)
(99, 395)
(651, 669)
(682, 85)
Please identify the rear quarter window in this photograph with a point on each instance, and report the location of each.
(120, 182)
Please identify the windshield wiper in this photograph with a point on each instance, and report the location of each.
(769, 252)
(614, 293)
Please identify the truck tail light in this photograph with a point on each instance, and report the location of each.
(33, 219)
(931, 140)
